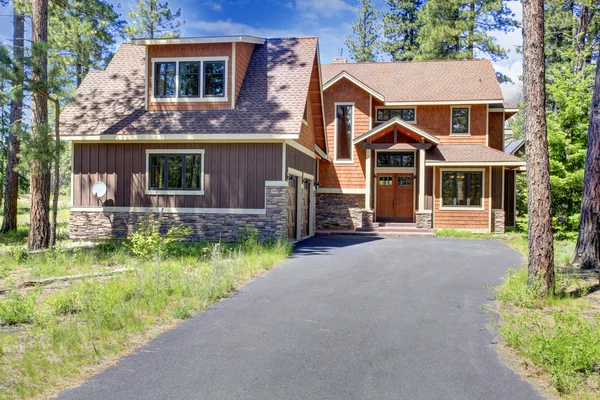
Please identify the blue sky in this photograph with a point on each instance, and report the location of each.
(330, 20)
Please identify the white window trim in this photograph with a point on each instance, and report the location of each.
(463, 208)
(179, 192)
(199, 99)
(468, 121)
(377, 121)
(335, 158)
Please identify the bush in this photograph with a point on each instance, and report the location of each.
(66, 302)
(514, 290)
(18, 308)
(148, 243)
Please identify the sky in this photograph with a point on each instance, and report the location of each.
(330, 20)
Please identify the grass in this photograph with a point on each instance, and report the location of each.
(54, 335)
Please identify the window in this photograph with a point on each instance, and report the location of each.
(190, 80)
(404, 180)
(385, 181)
(164, 79)
(462, 189)
(460, 121)
(344, 132)
(175, 171)
(406, 114)
(214, 79)
(396, 159)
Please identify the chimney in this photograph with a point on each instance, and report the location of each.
(340, 60)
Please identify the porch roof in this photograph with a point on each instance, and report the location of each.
(469, 154)
(392, 124)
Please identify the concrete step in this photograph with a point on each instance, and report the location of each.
(398, 224)
(379, 232)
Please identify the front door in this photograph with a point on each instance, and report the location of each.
(395, 197)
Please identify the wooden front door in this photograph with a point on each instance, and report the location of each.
(395, 197)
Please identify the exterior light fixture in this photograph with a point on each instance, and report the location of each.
(291, 178)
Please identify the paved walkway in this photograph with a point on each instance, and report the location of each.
(343, 318)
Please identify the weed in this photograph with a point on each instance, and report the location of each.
(18, 308)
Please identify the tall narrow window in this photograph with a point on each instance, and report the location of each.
(344, 132)
(189, 79)
(460, 121)
(164, 79)
(214, 78)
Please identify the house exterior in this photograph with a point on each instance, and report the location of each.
(416, 142)
(223, 134)
(220, 134)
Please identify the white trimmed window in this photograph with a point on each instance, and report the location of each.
(405, 114)
(460, 122)
(189, 79)
(462, 189)
(175, 172)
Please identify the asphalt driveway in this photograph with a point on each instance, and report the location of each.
(343, 318)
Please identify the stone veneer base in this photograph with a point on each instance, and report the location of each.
(424, 219)
(340, 211)
(498, 217)
(226, 227)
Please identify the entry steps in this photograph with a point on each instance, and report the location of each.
(395, 229)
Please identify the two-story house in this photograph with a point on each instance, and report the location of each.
(223, 134)
(416, 142)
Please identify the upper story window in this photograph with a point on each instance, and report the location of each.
(406, 114)
(462, 189)
(175, 172)
(460, 121)
(188, 79)
(344, 132)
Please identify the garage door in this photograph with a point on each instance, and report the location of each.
(305, 207)
(292, 208)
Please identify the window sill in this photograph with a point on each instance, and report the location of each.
(189, 100)
(175, 192)
(343, 161)
(460, 134)
(462, 208)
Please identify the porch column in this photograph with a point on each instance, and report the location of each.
(369, 180)
(421, 180)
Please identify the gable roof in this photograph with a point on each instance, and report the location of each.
(514, 146)
(271, 99)
(469, 154)
(396, 121)
(424, 81)
(358, 83)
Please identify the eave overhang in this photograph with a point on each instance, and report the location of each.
(200, 40)
(397, 122)
(358, 83)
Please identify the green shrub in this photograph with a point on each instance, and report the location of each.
(148, 243)
(68, 301)
(514, 290)
(18, 308)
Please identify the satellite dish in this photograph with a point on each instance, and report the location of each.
(99, 189)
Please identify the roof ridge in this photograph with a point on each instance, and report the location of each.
(405, 62)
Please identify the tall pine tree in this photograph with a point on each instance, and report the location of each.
(154, 19)
(401, 28)
(460, 30)
(364, 42)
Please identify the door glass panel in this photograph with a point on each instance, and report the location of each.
(385, 181)
(404, 181)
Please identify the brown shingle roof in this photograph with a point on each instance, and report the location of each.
(468, 153)
(424, 81)
(271, 99)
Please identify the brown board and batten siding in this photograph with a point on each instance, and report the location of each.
(234, 174)
(300, 161)
(497, 188)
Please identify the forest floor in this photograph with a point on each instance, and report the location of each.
(54, 335)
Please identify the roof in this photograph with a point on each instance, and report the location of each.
(514, 146)
(396, 121)
(271, 100)
(465, 154)
(205, 39)
(424, 81)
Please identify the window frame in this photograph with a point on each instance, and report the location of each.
(378, 121)
(190, 99)
(462, 207)
(335, 134)
(468, 108)
(402, 153)
(181, 152)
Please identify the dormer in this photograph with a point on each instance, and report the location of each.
(195, 73)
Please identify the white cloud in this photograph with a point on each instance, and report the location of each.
(314, 9)
(228, 27)
(213, 5)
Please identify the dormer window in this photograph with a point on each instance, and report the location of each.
(190, 79)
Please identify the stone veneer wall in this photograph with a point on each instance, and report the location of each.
(340, 211)
(227, 227)
(424, 220)
(498, 221)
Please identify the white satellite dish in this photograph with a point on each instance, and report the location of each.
(99, 189)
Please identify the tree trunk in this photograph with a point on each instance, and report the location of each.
(472, 31)
(541, 257)
(56, 182)
(584, 20)
(11, 184)
(587, 252)
(39, 229)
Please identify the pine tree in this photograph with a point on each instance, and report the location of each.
(364, 42)
(460, 30)
(153, 19)
(401, 29)
(541, 256)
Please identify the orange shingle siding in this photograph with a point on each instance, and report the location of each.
(313, 132)
(436, 120)
(462, 219)
(333, 175)
(496, 127)
(243, 52)
(189, 50)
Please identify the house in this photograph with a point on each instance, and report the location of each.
(221, 134)
(228, 133)
(416, 142)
